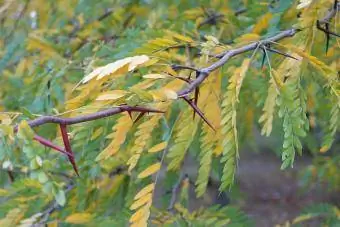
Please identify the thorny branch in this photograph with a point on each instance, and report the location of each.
(89, 117)
(225, 56)
(63, 122)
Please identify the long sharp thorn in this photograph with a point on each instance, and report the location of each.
(263, 58)
(197, 91)
(199, 112)
(281, 53)
(139, 117)
(129, 112)
(68, 147)
(333, 33)
(49, 144)
(327, 37)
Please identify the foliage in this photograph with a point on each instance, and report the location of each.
(137, 87)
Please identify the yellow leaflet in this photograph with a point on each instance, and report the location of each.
(154, 76)
(118, 67)
(5, 119)
(180, 37)
(138, 214)
(303, 218)
(170, 94)
(241, 74)
(151, 62)
(150, 170)
(52, 224)
(132, 162)
(262, 23)
(246, 38)
(138, 60)
(112, 95)
(25, 131)
(141, 214)
(3, 192)
(142, 94)
(313, 60)
(158, 147)
(323, 149)
(97, 133)
(121, 129)
(162, 42)
(146, 199)
(147, 189)
(79, 218)
(304, 4)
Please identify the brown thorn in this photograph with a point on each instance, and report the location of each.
(279, 52)
(198, 111)
(138, 118)
(49, 144)
(197, 91)
(129, 112)
(178, 77)
(67, 145)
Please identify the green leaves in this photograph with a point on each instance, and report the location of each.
(228, 123)
(60, 197)
(292, 103)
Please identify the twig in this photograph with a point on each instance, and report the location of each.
(204, 72)
(51, 208)
(14, 28)
(90, 117)
(175, 191)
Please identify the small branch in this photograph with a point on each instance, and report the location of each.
(51, 208)
(179, 67)
(17, 20)
(204, 72)
(49, 144)
(175, 190)
(331, 13)
(90, 117)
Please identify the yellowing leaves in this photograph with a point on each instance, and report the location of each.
(150, 170)
(247, 38)
(141, 201)
(164, 94)
(112, 95)
(141, 216)
(147, 189)
(241, 72)
(121, 129)
(304, 4)
(79, 218)
(158, 147)
(155, 76)
(262, 23)
(118, 67)
(180, 37)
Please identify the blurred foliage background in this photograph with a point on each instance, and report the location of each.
(46, 48)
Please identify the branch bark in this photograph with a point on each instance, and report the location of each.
(89, 117)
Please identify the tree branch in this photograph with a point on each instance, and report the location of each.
(90, 117)
(175, 190)
(224, 57)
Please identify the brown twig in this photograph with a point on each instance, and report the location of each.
(89, 117)
(175, 190)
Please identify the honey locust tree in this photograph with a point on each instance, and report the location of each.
(102, 101)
